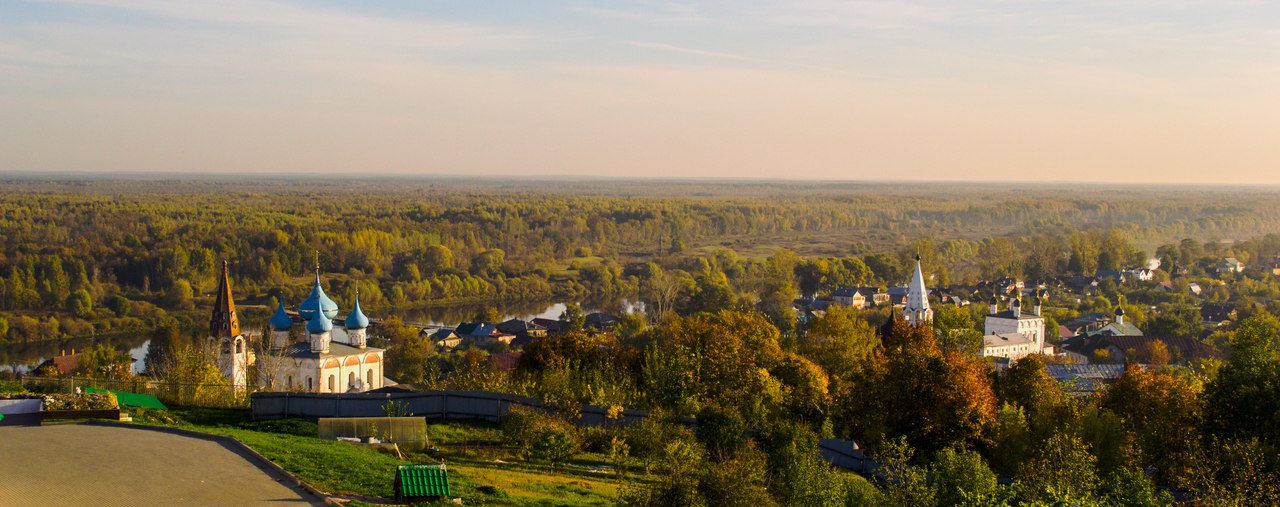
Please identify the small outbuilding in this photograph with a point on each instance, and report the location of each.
(421, 482)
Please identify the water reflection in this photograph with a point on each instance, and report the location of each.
(24, 357)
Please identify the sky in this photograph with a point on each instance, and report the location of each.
(1162, 91)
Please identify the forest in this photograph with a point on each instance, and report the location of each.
(88, 257)
(722, 268)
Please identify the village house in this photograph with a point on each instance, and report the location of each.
(520, 327)
(1230, 265)
(63, 363)
(849, 297)
(600, 322)
(483, 334)
(1124, 349)
(1140, 274)
(442, 337)
(1087, 323)
(1118, 326)
(1217, 314)
(1110, 274)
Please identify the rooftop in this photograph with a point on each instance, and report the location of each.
(302, 350)
(1008, 314)
(1004, 340)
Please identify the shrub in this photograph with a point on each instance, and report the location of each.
(540, 436)
(86, 401)
(290, 426)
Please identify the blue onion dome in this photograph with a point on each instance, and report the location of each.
(357, 320)
(319, 323)
(317, 300)
(1120, 310)
(280, 320)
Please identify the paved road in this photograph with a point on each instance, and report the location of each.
(76, 464)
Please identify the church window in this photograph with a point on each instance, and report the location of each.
(239, 347)
(288, 382)
(331, 381)
(369, 382)
(309, 383)
(351, 379)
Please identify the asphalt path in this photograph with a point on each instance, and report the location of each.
(77, 464)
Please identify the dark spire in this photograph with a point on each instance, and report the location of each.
(224, 323)
(886, 329)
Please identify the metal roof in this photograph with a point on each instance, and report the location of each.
(131, 399)
(422, 481)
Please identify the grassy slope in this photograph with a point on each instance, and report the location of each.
(350, 470)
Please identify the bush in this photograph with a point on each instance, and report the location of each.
(597, 439)
(86, 401)
(649, 438)
(10, 387)
(291, 426)
(539, 436)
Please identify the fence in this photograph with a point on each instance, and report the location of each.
(484, 405)
(174, 393)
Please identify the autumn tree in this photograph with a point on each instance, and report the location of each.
(839, 341)
(1163, 412)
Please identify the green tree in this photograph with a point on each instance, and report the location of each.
(1048, 408)
(1061, 468)
(960, 476)
(1244, 399)
(119, 305)
(488, 262)
(104, 361)
(179, 295)
(80, 304)
(955, 330)
(839, 341)
(573, 318)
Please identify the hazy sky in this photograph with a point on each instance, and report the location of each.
(1108, 90)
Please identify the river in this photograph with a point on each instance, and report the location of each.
(24, 357)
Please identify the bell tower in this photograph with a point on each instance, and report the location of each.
(917, 309)
(224, 331)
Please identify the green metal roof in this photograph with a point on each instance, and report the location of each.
(422, 480)
(131, 399)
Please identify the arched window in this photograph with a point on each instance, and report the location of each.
(331, 380)
(351, 379)
(288, 382)
(369, 382)
(309, 384)
(239, 346)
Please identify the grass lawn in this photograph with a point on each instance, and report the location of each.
(568, 268)
(480, 472)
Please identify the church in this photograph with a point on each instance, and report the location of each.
(1011, 334)
(325, 358)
